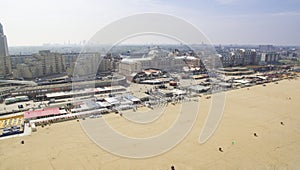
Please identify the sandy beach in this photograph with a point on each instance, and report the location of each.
(259, 109)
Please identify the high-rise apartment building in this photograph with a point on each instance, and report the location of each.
(5, 63)
(240, 57)
(45, 63)
(52, 63)
(3, 43)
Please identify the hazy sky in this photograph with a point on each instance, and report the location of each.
(34, 22)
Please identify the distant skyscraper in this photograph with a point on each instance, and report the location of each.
(3, 43)
(5, 63)
(1, 29)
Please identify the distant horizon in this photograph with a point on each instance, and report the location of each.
(34, 23)
(81, 45)
(28, 50)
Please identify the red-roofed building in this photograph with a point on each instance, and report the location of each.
(42, 113)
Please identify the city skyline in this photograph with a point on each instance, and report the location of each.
(222, 21)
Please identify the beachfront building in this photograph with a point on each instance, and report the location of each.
(198, 88)
(43, 113)
(241, 57)
(235, 71)
(121, 102)
(250, 57)
(129, 67)
(150, 76)
(226, 58)
(85, 92)
(35, 91)
(158, 59)
(269, 58)
(247, 57)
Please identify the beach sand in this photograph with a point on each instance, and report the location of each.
(257, 110)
